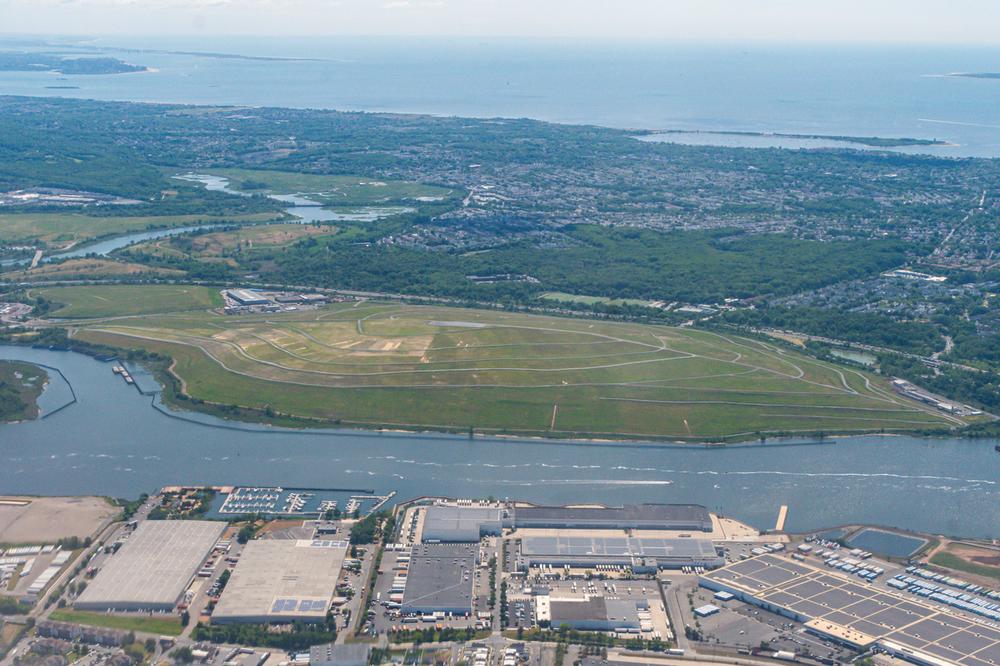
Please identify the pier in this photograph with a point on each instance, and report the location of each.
(779, 526)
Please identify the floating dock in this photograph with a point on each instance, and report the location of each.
(123, 372)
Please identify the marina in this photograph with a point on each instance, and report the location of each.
(123, 373)
(274, 501)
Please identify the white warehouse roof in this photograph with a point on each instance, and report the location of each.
(153, 567)
(282, 580)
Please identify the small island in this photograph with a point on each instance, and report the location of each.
(17, 61)
(20, 385)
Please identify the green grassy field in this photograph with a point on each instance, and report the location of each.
(165, 626)
(392, 365)
(90, 268)
(61, 230)
(119, 300)
(229, 245)
(591, 300)
(956, 563)
(331, 190)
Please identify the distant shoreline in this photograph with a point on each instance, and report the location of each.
(871, 141)
(973, 75)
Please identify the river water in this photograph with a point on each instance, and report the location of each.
(113, 442)
(301, 208)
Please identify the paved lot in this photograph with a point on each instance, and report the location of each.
(841, 604)
(384, 617)
(741, 625)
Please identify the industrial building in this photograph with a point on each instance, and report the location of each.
(451, 524)
(590, 614)
(643, 555)
(707, 610)
(859, 615)
(345, 654)
(153, 567)
(629, 517)
(69, 631)
(247, 297)
(455, 524)
(440, 578)
(282, 580)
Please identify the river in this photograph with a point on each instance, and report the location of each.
(302, 210)
(113, 442)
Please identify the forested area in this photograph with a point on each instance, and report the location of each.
(11, 404)
(865, 327)
(975, 388)
(536, 207)
(20, 385)
(299, 637)
(691, 266)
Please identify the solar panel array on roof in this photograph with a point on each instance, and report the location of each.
(282, 580)
(641, 516)
(590, 551)
(860, 614)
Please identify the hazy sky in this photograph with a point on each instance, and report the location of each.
(945, 21)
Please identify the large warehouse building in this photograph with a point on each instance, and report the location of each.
(643, 555)
(452, 524)
(440, 578)
(153, 567)
(849, 612)
(247, 297)
(457, 524)
(282, 580)
(591, 613)
(629, 517)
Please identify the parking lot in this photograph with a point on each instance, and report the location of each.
(741, 625)
(384, 614)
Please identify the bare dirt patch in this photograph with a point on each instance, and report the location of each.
(409, 346)
(983, 556)
(48, 519)
(788, 337)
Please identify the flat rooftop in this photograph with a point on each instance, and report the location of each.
(594, 609)
(665, 514)
(460, 523)
(440, 577)
(861, 614)
(611, 547)
(153, 567)
(331, 654)
(282, 580)
(246, 295)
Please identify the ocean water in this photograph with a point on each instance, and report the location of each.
(890, 91)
